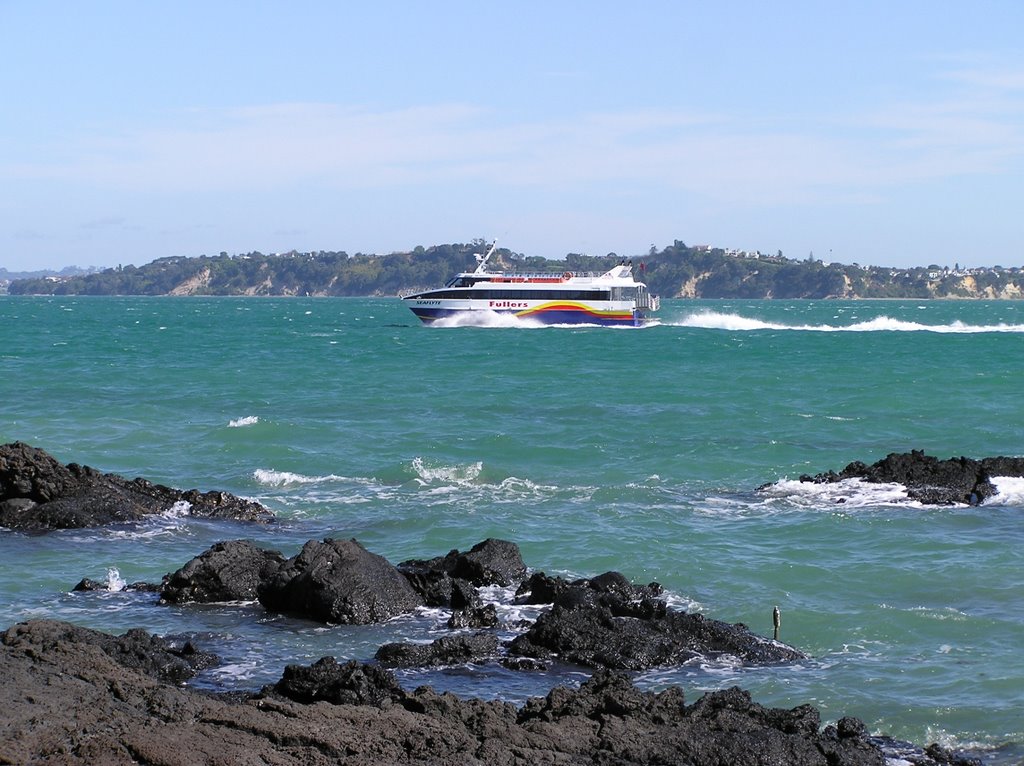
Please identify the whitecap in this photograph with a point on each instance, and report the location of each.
(249, 420)
(115, 582)
(1010, 491)
(455, 474)
(835, 418)
(178, 509)
(681, 602)
(712, 320)
(487, 319)
(851, 493)
(952, 742)
(274, 478)
(938, 613)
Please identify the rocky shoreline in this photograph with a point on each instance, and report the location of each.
(929, 480)
(38, 493)
(74, 695)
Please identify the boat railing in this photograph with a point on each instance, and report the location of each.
(647, 302)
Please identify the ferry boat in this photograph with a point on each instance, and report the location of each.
(611, 298)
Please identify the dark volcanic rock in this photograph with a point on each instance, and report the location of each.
(228, 571)
(339, 581)
(350, 684)
(480, 617)
(491, 562)
(609, 623)
(136, 649)
(66, 700)
(39, 493)
(87, 584)
(541, 588)
(448, 650)
(438, 588)
(930, 480)
(720, 728)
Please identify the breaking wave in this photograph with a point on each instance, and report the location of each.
(178, 510)
(851, 493)
(273, 478)
(115, 582)
(446, 474)
(857, 493)
(487, 319)
(1010, 491)
(713, 320)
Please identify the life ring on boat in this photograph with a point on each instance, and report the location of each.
(567, 275)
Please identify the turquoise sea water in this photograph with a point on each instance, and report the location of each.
(638, 450)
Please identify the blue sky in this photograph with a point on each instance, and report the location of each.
(875, 132)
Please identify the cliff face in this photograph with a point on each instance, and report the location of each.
(192, 285)
(967, 286)
(690, 288)
(798, 281)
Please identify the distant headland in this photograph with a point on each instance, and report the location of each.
(676, 271)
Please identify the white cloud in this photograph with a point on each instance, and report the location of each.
(726, 159)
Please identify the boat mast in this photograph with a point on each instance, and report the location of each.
(481, 260)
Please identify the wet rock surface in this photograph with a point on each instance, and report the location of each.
(162, 659)
(447, 650)
(227, 571)
(490, 562)
(350, 684)
(452, 580)
(38, 493)
(600, 622)
(609, 623)
(86, 584)
(929, 480)
(479, 617)
(73, 696)
(541, 588)
(339, 582)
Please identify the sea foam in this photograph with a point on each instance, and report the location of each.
(115, 582)
(273, 478)
(179, 509)
(1010, 491)
(850, 493)
(713, 320)
(454, 474)
(487, 319)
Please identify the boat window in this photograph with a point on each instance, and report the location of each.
(456, 291)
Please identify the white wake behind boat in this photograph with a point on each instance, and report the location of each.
(612, 298)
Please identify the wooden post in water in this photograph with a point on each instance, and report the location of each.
(776, 620)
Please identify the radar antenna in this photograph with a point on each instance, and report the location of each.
(481, 260)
